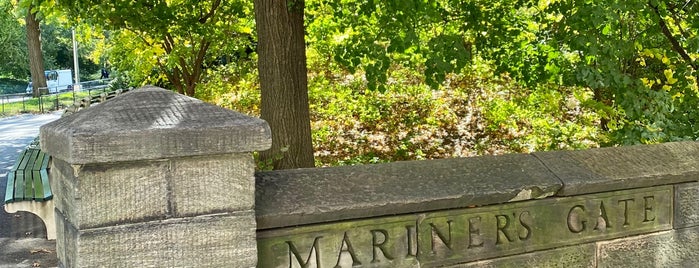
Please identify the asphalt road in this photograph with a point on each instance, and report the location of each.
(22, 235)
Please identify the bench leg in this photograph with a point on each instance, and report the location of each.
(42, 209)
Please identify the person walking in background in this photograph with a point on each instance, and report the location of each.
(105, 74)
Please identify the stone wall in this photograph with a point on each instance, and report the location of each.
(156, 179)
(635, 206)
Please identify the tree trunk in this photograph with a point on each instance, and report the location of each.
(282, 67)
(601, 97)
(36, 60)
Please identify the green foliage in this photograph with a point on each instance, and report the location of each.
(56, 40)
(398, 80)
(168, 43)
(13, 50)
(544, 119)
(437, 37)
(57, 47)
(631, 52)
(135, 59)
(638, 57)
(473, 114)
(12, 86)
(234, 86)
(484, 77)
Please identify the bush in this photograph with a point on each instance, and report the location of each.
(470, 114)
(12, 86)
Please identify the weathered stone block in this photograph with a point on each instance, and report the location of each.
(610, 169)
(61, 176)
(213, 184)
(66, 244)
(222, 240)
(580, 256)
(686, 205)
(307, 196)
(155, 179)
(106, 194)
(152, 123)
(676, 248)
(60, 234)
(434, 239)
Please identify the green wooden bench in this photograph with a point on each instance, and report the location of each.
(28, 187)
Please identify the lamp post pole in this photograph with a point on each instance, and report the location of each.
(75, 63)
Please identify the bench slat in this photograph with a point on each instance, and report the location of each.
(34, 144)
(25, 159)
(36, 165)
(32, 159)
(38, 186)
(29, 175)
(45, 180)
(28, 179)
(45, 164)
(9, 192)
(38, 193)
(45, 177)
(28, 185)
(19, 160)
(19, 184)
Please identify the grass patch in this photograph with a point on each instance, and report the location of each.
(45, 103)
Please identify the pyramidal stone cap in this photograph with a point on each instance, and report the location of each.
(152, 123)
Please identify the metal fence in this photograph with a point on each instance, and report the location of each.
(7, 99)
(24, 103)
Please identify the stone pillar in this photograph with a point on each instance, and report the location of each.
(155, 179)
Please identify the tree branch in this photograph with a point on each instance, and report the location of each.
(200, 59)
(673, 41)
(169, 43)
(674, 15)
(177, 81)
(139, 36)
(214, 6)
(173, 76)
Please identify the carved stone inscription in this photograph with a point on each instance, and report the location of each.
(462, 235)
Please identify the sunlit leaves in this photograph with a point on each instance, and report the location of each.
(173, 39)
(13, 48)
(639, 56)
(450, 53)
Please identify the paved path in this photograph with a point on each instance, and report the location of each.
(22, 235)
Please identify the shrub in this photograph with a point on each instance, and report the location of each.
(470, 114)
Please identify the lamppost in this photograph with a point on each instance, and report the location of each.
(76, 66)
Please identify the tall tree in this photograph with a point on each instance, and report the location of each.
(38, 14)
(13, 50)
(284, 82)
(36, 60)
(176, 36)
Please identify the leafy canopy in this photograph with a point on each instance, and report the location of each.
(638, 56)
(168, 42)
(13, 50)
